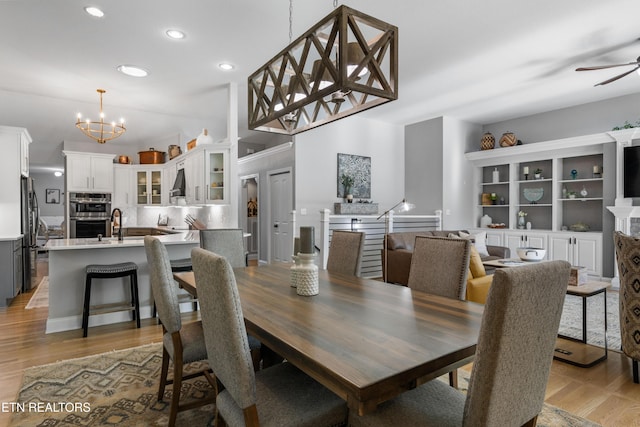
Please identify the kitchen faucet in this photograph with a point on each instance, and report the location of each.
(119, 223)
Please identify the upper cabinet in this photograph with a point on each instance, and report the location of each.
(149, 185)
(89, 172)
(206, 172)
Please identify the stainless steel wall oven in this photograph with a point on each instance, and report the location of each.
(89, 215)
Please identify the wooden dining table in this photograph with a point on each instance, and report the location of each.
(365, 340)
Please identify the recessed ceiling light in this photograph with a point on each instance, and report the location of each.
(94, 11)
(175, 34)
(226, 66)
(133, 71)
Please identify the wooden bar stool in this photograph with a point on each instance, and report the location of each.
(110, 271)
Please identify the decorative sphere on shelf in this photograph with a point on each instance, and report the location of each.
(508, 139)
(487, 142)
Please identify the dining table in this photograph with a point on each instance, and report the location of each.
(364, 339)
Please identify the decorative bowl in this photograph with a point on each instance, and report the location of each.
(533, 194)
(579, 226)
(530, 254)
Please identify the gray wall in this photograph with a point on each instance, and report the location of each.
(438, 176)
(42, 181)
(584, 119)
(317, 162)
(261, 164)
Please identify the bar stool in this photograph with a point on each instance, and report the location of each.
(177, 265)
(110, 271)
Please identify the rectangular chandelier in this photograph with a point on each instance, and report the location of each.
(346, 63)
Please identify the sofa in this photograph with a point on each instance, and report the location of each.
(399, 249)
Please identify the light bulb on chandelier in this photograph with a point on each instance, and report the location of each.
(101, 131)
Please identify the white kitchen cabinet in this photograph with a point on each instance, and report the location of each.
(89, 172)
(206, 173)
(216, 176)
(123, 195)
(580, 249)
(148, 185)
(194, 178)
(524, 238)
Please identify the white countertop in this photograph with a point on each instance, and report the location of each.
(14, 237)
(186, 237)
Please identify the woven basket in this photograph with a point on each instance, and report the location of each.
(487, 142)
(508, 139)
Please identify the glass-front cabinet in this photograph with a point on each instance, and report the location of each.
(217, 173)
(149, 187)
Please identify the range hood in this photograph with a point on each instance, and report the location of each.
(178, 189)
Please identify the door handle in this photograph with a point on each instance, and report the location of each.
(275, 225)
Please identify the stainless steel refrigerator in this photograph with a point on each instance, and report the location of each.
(29, 223)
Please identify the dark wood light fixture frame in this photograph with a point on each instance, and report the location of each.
(344, 64)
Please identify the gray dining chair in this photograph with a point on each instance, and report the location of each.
(228, 242)
(182, 343)
(440, 266)
(512, 361)
(281, 395)
(627, 256)
(345, 252)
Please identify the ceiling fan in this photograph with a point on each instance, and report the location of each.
(636, 63)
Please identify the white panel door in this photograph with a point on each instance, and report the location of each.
(281, 204)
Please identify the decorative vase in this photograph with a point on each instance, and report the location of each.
(496, 175)
(349, 198)
(487, 142)
(485, 221)
(204, 138)
(307, 275)
(521, 223)
(508, 139)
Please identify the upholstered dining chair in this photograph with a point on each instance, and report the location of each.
(512, 362)
(345, 252)
(182, 343)
(628, 258)
(439, 266)
(280, 395)
(228, 242)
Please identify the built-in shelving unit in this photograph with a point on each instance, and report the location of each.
(564, 210)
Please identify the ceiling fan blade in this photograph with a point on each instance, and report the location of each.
(602, 67)
(619, 76)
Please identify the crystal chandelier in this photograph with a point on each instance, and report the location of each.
(100, 130)
(344, 64)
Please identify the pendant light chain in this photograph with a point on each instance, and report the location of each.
(290, 21)
(335, 3)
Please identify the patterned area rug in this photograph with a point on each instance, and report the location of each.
(40, 297)
(109, 389)
(571, 322)
(120, 388)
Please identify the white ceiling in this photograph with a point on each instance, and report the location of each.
(477, 60)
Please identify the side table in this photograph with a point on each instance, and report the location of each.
(576, 351)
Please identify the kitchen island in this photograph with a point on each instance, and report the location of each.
(68, 259)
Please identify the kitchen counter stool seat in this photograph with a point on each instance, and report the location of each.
(110, 271)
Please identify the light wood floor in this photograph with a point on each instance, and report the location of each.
(604, 393)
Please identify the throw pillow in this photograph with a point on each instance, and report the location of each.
(479, 240)
(475, 263)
